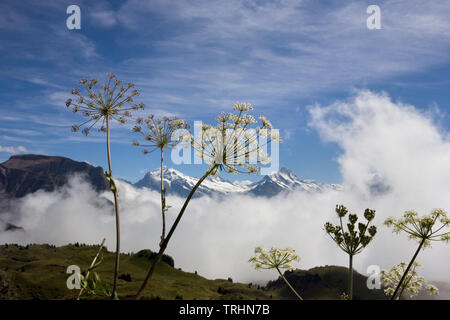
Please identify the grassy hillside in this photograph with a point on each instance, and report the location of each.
(39, 272)
(322, 283)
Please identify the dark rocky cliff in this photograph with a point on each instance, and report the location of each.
(24, 174)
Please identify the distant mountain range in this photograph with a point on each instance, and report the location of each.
(282, 181)
(24, 174)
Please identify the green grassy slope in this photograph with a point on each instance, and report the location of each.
(39, 272)
(327, 282)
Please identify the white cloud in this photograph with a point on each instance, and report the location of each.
(13, 150)
(23, 132)
(58, 98)
(15, 139)
(389, 140)
(384, 143)
(105, 18)
(42, 82)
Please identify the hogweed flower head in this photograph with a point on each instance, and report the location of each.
(158, 135)
(112, 101)
(353, 239)
(161, 133)
(412, 284)
(100, 105)
(423, 228)
(232, 144)
(357, 237)
(274, 258)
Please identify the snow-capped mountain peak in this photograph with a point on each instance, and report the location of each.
(169, 172)
(284, 180)
(180, 184)
(284, 177)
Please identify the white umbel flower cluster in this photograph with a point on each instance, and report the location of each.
(413, 282)
(424, 228)
(161, 133)
(274, 258)
(232, 144)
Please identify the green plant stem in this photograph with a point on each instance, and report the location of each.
(171, 231)
(407, 269)
(91, 266)
(399, 295)
(289, 285)
(350, 278)
(116, 207)
(163, 202)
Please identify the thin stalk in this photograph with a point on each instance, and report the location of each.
(163, 200)
(407, 269)
(91, 266)
(171, 231)
(399, 295)
(350, 278)
(289, 285)
(116, 207)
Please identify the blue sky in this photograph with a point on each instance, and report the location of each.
(194, 59)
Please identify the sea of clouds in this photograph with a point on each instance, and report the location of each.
(394, 158)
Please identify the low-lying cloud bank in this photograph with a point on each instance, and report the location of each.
(394, 158)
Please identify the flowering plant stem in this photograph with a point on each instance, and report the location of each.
(164, 243)
(406, 282)
(289, 285)
(353, 240)
(92, 266)
(350, 277)
(116, 207)
(407, 269)
(163, 199)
